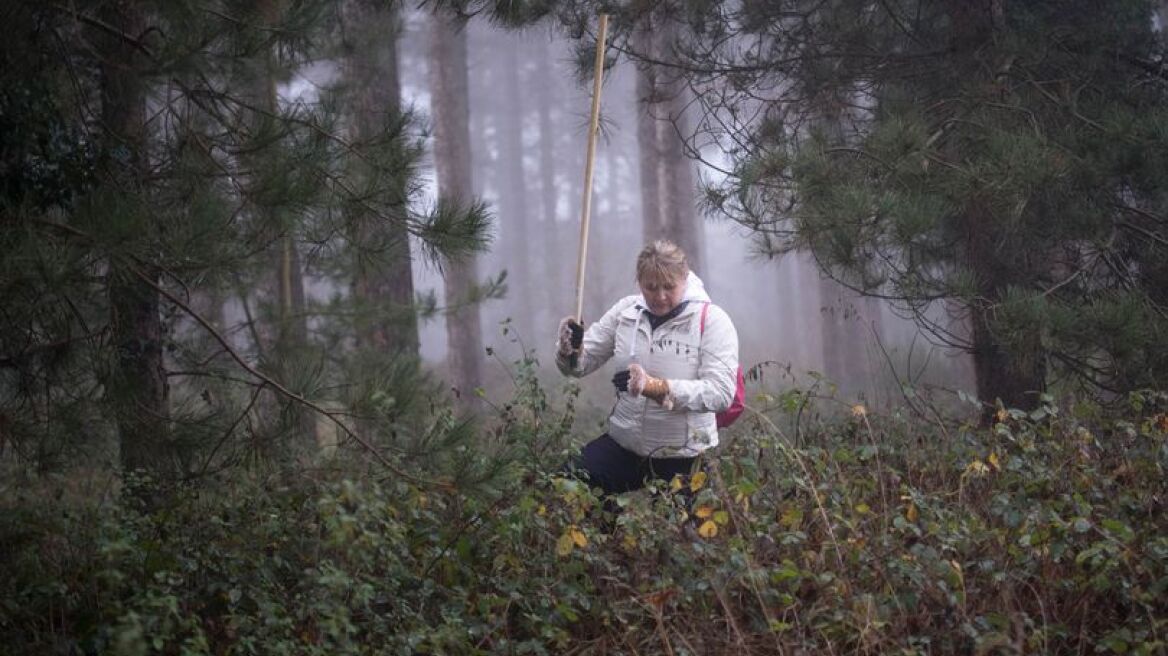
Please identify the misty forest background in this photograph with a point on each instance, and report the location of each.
(279, 282)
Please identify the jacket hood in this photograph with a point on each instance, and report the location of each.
(695, 290)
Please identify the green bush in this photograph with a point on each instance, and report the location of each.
(1045, 532)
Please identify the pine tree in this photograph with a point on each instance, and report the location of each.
(668, 186)
(1007, 165)
(150, 163)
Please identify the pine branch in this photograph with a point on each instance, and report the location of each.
(269, 381)
(263, 378)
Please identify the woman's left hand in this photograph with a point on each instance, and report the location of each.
(642, 384)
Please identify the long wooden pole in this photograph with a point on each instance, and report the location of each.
(593, 127)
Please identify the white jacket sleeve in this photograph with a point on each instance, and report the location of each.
(597, 347)
(713, 390)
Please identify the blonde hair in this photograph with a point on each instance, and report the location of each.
(662, 261)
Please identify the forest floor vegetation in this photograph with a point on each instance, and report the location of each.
(1044, 532)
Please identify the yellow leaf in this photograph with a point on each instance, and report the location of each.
(629, 542)
(542, 510)
(721, 517)
(912, 513)
(703, 512)
(578, 537)
(859, 410)
(977, 468)
(791, 518)
(708, 529)
(564, 545)
(1001, 414)
(863, 509)
(993, 460)
(675, 484)
(697, 481)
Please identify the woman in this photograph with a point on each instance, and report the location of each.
(677, 364)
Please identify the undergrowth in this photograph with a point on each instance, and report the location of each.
(1045, 532)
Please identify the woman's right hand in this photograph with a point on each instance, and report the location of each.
(571, 336)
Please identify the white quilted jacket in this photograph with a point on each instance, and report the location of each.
(701, 368)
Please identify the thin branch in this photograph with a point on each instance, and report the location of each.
(285, 392)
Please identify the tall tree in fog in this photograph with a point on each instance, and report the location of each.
(382, 278)
(450, 109)
(1012, 165)
(545, 80)
(668, 197)
(291, 322)
(145, 164)
(515, 222)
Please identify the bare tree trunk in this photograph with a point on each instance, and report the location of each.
(649, 151)
(553, 275)
(452, 160)
(667, 180)
(138, 383)
(383, 277)
(677, 170)
(514, 220)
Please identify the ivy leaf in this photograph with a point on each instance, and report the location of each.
(697, 481)
(578, 537)
(565, 544)
(911, 513)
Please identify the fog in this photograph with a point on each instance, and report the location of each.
(528, 120)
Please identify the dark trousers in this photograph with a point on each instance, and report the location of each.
(615, 469)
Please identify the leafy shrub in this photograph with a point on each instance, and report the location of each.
(1045, 532)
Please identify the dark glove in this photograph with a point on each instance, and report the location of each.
(577, 330)
(571, 336)
(621, 380)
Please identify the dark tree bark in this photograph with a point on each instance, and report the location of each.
(371, 31)
(452, 161)
(1016, 374)
(138, 381)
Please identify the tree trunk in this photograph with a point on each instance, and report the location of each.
(649, 158)
(449, 106)
(553, 269)
(1015, 375)
(667, 182)
(514, 221)
(385, 278)
(677, 169)
(138, 383)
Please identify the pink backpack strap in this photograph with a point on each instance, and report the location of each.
(702, 324)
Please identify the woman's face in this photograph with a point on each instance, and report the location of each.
(663, 295)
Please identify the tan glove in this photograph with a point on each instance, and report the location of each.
(651, 387)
